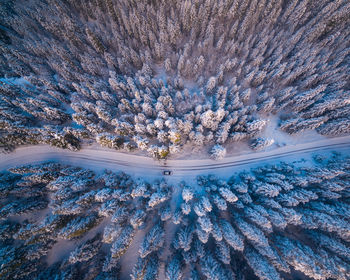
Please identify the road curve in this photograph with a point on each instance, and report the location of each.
(99, 158)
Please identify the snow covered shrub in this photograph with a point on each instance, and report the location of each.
(218, 152)
(261, 143)
(86, 251)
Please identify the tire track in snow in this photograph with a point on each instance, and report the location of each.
(99, 158)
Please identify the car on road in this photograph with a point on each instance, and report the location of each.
(167, 172)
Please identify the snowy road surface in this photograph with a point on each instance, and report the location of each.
(98, 158)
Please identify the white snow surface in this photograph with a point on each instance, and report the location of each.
(97, 158)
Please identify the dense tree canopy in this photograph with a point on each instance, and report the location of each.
(154, 75)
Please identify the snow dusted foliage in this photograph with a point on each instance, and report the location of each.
(260, 265)
(261, 143)
(146, 268)
(80, 203)
(153, 241)
(228, 195)
(122, 242)
(232, 238)
(173, 269)
(187, 193)
(266, 223)
(212, 269)
(218, 152)
(156, 75)
(86, 251)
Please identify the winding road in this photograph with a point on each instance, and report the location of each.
(98, 158)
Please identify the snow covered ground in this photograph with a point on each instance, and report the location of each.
(98, 159)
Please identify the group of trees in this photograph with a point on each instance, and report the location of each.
(265, 223)
(79, 201)
(155, 75)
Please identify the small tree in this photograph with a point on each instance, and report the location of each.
(218, 152)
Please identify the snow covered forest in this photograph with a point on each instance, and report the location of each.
(157, 75)
(164, 78)
(278, 221)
